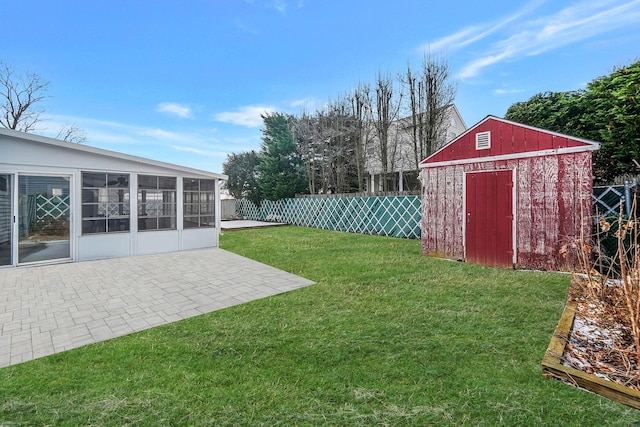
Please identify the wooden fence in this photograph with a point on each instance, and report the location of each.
(228, 209)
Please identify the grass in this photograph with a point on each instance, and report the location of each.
(386, 337)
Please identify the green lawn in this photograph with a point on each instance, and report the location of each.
(386, 337)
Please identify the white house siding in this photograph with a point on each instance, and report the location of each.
(29, 154)
(403, 160)
(200, 238)
(97, 246)
(150, 242)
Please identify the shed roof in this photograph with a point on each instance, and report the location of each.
(99, 152)
(502, 139)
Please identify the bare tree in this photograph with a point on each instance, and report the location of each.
(363, 131)
(20, 95)
(430, 95)
(385, 112)
(304, 130)
(334, 143)
(72, 133)
(361, 110)
(328, 143)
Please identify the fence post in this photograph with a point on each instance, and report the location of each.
(627, 199)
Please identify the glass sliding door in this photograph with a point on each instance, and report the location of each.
(6, 219)
(43, 218)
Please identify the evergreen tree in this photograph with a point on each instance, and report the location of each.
(607, 112)
(281, 170)
(612, 105)
(242, 170)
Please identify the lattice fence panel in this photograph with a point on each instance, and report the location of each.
(608, 200)
(52, 207)
(248, 210)
(397, 216)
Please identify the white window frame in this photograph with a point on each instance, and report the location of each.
(165, 210)
(103, 202)
(203, 199)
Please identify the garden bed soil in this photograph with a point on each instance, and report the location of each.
(589, 351)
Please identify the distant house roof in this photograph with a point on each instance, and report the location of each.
(494, 138)
(403, 158)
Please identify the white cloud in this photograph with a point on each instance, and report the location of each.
(500, 54)
(301, 102)
(114, 133)
(197, 148)
(507, 91)
(306, 104)
(475, 33)
(198, 151)
(161, 134)
(583, 21)
(246, 28)
(97, 130)
(279, 5)
(176, 109)
(517, 37)
(453, 41)
(249, 116)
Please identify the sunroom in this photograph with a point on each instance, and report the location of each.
(63, 202)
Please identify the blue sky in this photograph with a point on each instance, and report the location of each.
(186, 81)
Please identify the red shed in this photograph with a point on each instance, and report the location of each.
(506, 194)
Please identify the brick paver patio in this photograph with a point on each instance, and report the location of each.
(52, 308)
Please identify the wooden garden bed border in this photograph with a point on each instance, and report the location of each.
(553, 368)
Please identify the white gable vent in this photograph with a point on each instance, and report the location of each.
(483, 140)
